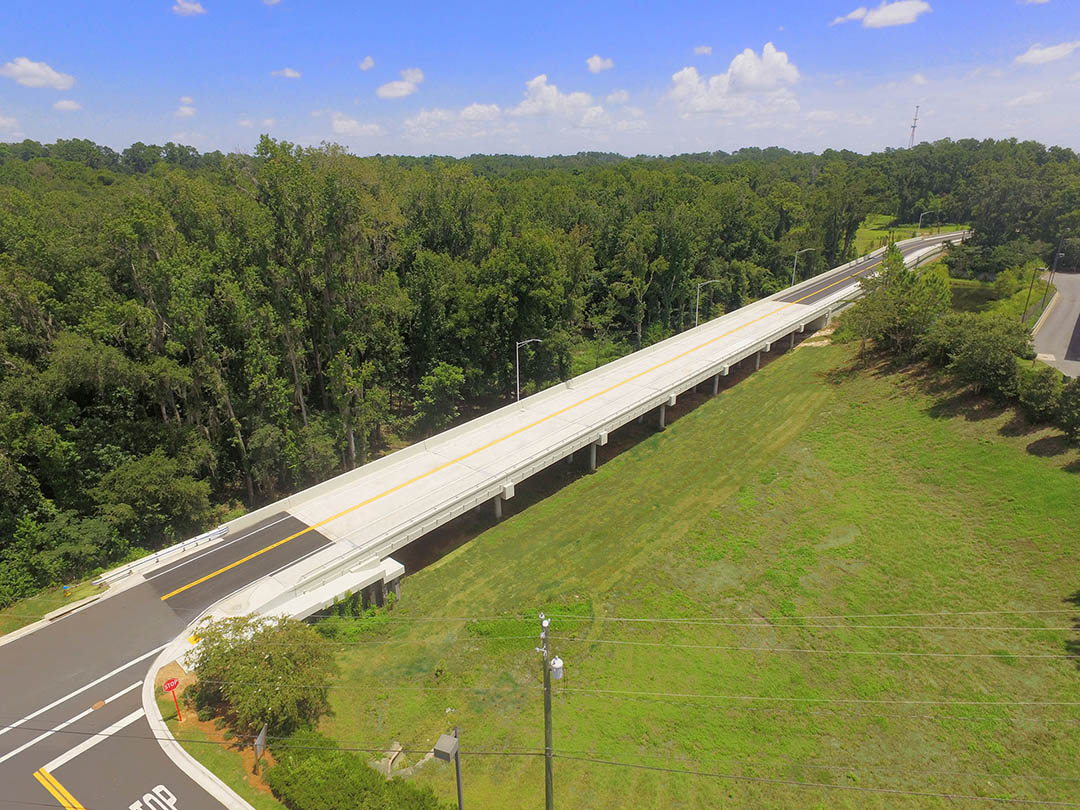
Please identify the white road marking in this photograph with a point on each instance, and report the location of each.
(81, 689)
(181, 563)
(66, 723)
(100, 736)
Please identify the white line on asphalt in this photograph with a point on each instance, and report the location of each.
(67, 723)
(82, 689)
(100, 736)
(182, 563)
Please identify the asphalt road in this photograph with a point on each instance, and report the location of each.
(103, 652)
(1058, 341)
(50, 680)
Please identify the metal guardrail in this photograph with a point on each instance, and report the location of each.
(125, 570)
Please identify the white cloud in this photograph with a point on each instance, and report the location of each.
(1039, 55)
(271, 2)
(901, 12)
(748, 71)
(367, 63)
(187, 100)
(733, 92)
(185, 111)
(1028, 99)
(341, 124)
(1033, 2)
(1075, 77)
(406, 86)
(703, 50)
(618, 97)
(67, 105)
(187, 8)
(542, 98)
(7, 122)
(599, 63)
(631, 125)
(287, 73)
(846, 118)
(919, 79)
(481, 112)
(247, 123)
(36, 74)
(269, 122)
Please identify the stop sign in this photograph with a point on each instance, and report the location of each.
(170, 684)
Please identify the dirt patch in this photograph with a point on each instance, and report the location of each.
(192, 727)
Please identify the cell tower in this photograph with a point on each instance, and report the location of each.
(914, 123)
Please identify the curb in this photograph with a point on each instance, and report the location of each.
(198, 772)
(1045, 314)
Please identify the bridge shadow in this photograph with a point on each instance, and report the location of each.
(1072, 646)
(436, 544)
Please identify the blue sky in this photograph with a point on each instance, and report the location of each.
(458, 78)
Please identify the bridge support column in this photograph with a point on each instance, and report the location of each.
(498, 507)
(757, 360)
(592, 457)
(663, 414)
(715, 384)
(570, 459)
(791, 341)
(395, 588)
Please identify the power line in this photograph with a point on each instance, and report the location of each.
(821, 785)
(883, 653)
(853, 701)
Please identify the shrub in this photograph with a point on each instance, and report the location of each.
(1068, 416)
(986, 355)
(1040, 392)
(310, 777)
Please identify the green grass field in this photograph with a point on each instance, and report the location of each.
(876, 231)
(29, 610)
(808, 490)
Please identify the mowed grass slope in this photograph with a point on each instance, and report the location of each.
(808, 490)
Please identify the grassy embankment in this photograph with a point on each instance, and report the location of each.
(33, 608)
(807, 490)
(875, 231)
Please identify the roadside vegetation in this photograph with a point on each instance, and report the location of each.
(184, 336)
(819, 542)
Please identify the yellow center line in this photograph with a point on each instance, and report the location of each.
(510, 435)
(59, 792)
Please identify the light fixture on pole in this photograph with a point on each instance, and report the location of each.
(697, 300)
(796, 263)
(517, 363)
(447, 748)
(923, 214)
(552, 669)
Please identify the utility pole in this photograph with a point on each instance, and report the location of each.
(554, 669)
(796, 263)
(914, 123)
(517, 363)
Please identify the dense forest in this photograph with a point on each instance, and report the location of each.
(183, 335)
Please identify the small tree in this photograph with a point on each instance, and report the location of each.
(1068, 416)
(986, 356)
(899, 305)
(1040, 392)
(258, 670)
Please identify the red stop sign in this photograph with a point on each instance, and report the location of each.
(170, 684)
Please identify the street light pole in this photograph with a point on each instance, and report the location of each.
(448, 748)
(517, 363)
(796, 263)
(552, 669)
(923, 214)
(697, 301)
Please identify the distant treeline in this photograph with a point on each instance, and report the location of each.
(183, 333)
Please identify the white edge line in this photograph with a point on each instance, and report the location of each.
(66, 723)
(100, 736)
(82, 689)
